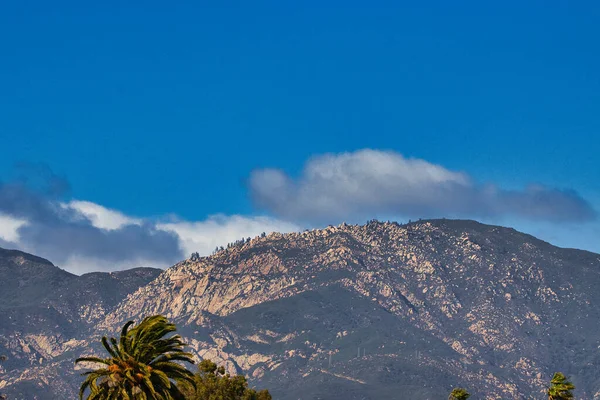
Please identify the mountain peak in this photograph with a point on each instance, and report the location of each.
(19, 257)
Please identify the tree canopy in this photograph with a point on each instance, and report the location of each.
(459, 394)
(560, 388)
(213, 383)
(142, 364)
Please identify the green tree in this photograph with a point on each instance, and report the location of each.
(459, 394)
(560, 387)
(212, 383)
(141, 365)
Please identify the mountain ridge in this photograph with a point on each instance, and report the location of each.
(357, 311)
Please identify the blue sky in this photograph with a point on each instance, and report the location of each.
(169, 113)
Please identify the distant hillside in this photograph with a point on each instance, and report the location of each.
(44, 308)
(27, 279)
(353, 312)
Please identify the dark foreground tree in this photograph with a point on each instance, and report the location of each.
(141, 365)
(459, 394)
(212, 383)
(560, 388)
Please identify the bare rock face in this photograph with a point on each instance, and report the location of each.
(366, 312)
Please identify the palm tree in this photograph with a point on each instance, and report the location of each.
(560, 388)
(141, 365)
(459, 394)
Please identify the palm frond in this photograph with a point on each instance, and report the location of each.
(143, 364)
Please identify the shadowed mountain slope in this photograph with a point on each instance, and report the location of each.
(45, 313)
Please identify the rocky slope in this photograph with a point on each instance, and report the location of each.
(47, 312)
(374, 311)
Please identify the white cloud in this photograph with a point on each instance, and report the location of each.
(102, 217)
(372, 183)
(218, 230)
(9, 227)
(82, 264)
(81, 251)
(194, 236)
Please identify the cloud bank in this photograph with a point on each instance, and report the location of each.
(38, 223)
(82, 236)
(370, 183)
(218, 230)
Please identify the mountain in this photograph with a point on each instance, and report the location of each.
(376, 311)
(27, 279)
(46, 311)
